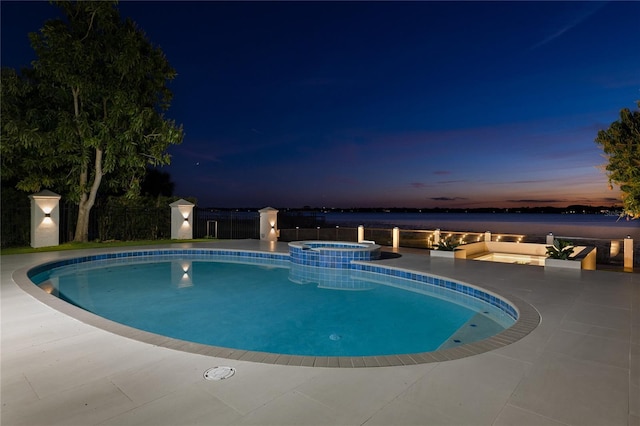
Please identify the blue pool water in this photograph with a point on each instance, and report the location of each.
(274, 306)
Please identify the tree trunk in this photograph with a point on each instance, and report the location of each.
(82, 225)
(88, 200)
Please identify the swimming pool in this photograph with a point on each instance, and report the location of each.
(185, 272)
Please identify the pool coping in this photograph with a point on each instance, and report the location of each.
(528, 319)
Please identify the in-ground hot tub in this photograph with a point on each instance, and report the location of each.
(331, 254)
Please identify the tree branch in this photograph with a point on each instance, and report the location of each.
(97, 179)
(93, 15)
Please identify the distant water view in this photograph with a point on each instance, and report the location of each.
(533, 224)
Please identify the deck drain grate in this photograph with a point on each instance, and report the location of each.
(219, 373)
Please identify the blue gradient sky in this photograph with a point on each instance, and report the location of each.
(361, 104)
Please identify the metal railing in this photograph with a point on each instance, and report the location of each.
(126, 223)
(226, 224)
(411, 238)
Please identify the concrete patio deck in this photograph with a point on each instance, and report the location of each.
(580, 366)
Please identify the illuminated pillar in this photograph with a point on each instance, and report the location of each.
(614, 250)
(360, 233)
(395, 237)
(487, 236)
(181, 220)
(45, 219)
(269, 224)
(436, 237)
(550, 238)
(628, 253)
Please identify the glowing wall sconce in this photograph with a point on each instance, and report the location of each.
(45, 219)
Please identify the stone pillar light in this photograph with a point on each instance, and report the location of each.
(628, 253)
(395, 237)
(45, 219)
(181, 220)
(436, 237)
(269, 224)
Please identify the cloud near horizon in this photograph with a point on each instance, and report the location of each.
(448, 198)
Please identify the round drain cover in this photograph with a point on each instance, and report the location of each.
(219, 373)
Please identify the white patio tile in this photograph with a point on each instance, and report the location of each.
(597, 331)
(471, 390)
(400, 412)
(60, 365)
(162, 373)
(16, 390)
(599, 315)
(185, 406)
(291, 408)
(89, 403)
(255, 385)
(590, 348)
(514, 416)
(574, 391)
(354, 395)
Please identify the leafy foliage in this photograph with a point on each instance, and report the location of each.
(447, 244)
(561, 249)
(14, 217)
(621, 144)
(157, 183)
(91, 108)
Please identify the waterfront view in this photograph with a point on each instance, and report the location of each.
(574, 225)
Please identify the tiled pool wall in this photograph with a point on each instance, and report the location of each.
(300, 273)
(331, 254)
(440, 282)
(261, 258)
(333, 278)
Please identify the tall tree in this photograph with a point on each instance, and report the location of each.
(621, 144)
(90, 110)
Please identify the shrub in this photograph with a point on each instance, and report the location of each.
(447, 245)
(560, 249)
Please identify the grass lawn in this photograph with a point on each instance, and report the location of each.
(79, 246)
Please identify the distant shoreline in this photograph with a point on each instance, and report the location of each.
(571, 209)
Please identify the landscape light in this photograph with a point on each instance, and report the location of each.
(47, 220)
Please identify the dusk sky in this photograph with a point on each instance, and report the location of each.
(383, 104)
